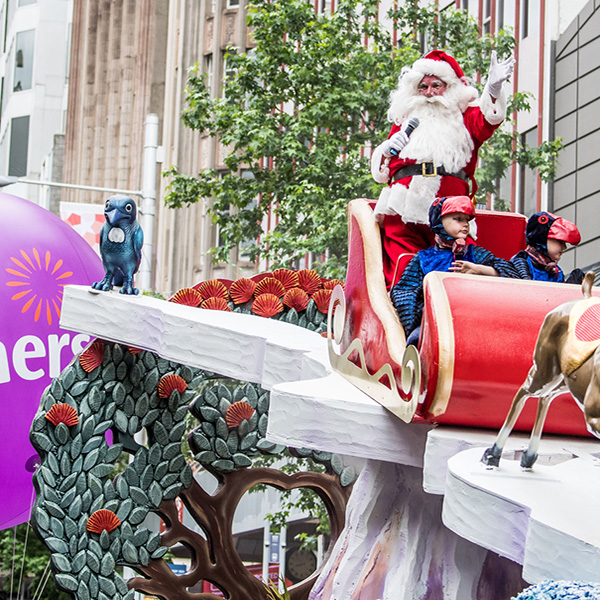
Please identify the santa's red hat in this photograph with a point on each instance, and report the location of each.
(440, 64)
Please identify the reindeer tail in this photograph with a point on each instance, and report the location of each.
(587, 283)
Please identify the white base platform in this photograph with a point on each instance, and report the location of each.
(545, 520)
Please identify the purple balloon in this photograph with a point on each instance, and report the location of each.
(39, 255)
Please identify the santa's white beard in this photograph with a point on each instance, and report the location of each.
(441, 137)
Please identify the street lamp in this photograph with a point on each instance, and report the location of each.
(147, 194)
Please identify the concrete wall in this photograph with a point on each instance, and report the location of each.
(116, 79)
(199, 32)
(43, 102)
(576, 192)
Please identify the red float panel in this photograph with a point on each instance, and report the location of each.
(477, 345)
(502, 233)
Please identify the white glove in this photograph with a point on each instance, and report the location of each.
(499, 73)
(395, 144)
(380, 165)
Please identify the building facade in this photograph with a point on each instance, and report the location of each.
(117, 77)
(199, 33)
(35, 38)
(576, 119)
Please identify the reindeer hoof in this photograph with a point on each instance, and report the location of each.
(491, 457)
(528, 460)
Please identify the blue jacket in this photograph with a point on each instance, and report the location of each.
(530, 269)
(407, 294)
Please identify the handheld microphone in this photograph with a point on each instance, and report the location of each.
(412, 124)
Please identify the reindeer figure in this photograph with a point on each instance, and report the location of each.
(566, 358)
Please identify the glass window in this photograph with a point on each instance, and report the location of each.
(487, 17)
(530, 16)
(7, 79)
(525, 19)
(499, 15)
(228, 73)
(24, 60)
(208, 71)
(19, 143)
(11, 6)
(3, 27)
(244, 250)
(233, 3)
(324, 6)
(68, 53)
(219, 234)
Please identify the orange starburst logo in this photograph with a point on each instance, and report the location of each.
(39, 282)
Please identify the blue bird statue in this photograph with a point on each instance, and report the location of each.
(121, 241)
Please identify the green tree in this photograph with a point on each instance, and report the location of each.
(300, 109)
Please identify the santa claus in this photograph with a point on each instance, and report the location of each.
(440, 156)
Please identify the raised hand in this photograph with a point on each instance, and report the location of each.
(499, 72)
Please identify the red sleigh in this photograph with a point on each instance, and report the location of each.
(477, 336)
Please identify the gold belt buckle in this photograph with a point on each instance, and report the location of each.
(424, 170)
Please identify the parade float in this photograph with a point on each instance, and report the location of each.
(414, 513)
(288, 360)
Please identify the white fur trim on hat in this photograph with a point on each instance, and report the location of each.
(439, 68)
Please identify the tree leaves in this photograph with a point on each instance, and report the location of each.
(299, 112)
(296, 115)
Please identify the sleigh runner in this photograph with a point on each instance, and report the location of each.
(477, 339)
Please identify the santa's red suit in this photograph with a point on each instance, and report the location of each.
(439, 159)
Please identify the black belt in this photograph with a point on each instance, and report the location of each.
(427, 170)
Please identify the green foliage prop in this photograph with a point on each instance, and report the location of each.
(80, 473)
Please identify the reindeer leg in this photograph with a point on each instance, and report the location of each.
(543, 377)
(491, 457)
(591, 400)
(530, 455)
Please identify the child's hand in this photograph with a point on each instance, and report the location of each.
(464, 266)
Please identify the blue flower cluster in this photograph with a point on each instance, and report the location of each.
(563, 590)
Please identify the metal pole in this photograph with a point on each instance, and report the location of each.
(266, 553)
(148, 199)
(5, 181)
(282, 548)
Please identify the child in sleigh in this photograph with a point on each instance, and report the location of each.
(453, 251)
(547, 236)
